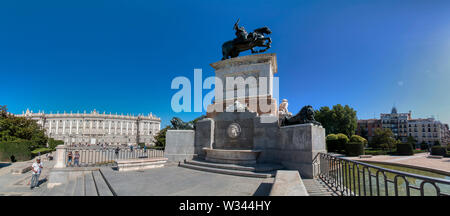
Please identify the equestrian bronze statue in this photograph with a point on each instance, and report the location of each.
(178, 124)
(246, 41)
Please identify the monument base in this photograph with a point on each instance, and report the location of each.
(239, 157)
(179, 145)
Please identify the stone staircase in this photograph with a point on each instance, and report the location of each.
(90, 183)
(263, 170)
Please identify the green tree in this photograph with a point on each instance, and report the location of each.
(383, 138)
(14, 128)
(160, 137)
(339, 119)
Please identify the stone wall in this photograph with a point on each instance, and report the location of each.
(179, 145)
(298, 146)
(244, 140)
(204, 136)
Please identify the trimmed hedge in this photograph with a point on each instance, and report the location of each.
(354, 148)
(438, 150)
(358, 139)
(43, 151)
(404, 149)
(20, 149)
(336, 142)
(375, 152)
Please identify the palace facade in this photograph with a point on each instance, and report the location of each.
(97, 129)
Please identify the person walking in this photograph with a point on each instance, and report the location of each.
(145, 148)
(36, 168)
(69, 159)
(77, 159)
(117, 152)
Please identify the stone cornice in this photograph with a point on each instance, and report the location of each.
(90, 115)
(270, 58)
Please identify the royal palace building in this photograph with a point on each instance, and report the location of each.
(96, 128)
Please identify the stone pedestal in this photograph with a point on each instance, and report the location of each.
(60, 156)
(298, 146)
(180, 145)
(256, 73)
(240, 157)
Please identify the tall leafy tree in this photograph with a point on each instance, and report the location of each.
(383, 138)
(19, 128)
(339, 119)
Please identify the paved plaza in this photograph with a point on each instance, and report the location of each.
(177, 181)
(19, 184)
(418, 160)
(170, 180)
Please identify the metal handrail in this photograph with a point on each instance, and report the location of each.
(340, 174)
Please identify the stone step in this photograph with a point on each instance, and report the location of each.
(264, 167)
(229, 172)
(102, 187)
(56, 190)
(90, 189)
(69, 188)
(79, 186)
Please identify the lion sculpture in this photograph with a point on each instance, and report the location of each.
(306, 115)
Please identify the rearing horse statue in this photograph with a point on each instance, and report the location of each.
(246, 41)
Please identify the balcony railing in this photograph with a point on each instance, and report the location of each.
(106, 156)
(352, 178)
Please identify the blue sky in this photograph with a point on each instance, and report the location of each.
(121, 56)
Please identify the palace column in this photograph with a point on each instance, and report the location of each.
(64, 127)
(57, 126)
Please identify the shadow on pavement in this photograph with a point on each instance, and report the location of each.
(4, 165)
(263, 189)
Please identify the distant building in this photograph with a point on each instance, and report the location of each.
(429, 131)
(95, 128)
(366, 127)
(397, 122)
(403, 125)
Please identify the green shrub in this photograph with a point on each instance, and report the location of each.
(332, 141)
(375, 152)
(52, 143)
(341, 141)
(358, 139)
(20, 149)
(141, 145)
(36, 152)
(354, 149)
(418, 151)
(404, 149)
(438, 150)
